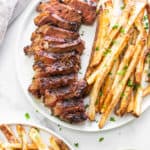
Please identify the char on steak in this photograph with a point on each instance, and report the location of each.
(72, 111)
(40, 84)
(55, 46)
(77, 89)
(59, 15)
(57, 68)
(88, 9)
(49, 30)
(48, 57)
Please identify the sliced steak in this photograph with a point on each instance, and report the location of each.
(88, 9)
(57, 68)
(55, 46)
(64, 11)
(40, 84)
(48, 57)
(49, 30)
(72, 111)
(76, 90)
(54, 19)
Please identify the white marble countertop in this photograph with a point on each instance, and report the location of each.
(13, 106)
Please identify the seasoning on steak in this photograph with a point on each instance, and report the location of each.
(49, 30)
(72, 111)
(48, 57)
(88, 9)
(57, 68)
(55, 46)
(40, 84)
(77, 89)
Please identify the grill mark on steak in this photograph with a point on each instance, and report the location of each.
(88, 9)
(49, 30)
(77, 89)
(57, 68)
(64, 11)
(40, 84)
(56, 20)
(72, 111)
(48, 57)
(55, 46)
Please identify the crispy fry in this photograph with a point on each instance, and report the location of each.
(120, 73)
(131, 103)
(34, 135)
(54, 144)
(125, 99)
(102, 28)
(118, 91)
(146, 91)
(116, 49)
(108, 84)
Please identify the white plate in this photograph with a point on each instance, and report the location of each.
(25, 72)
(44, 132)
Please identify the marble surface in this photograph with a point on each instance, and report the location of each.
(13, 106)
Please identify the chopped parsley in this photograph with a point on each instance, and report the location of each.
(104, 106)
(27, 116)
(109, 73)
(86, 106)
(112, 119)
(130, 83)
(122, 7)
(76, 144)
(122, 95)
(100, 93)
(36, 111)
(97, 48)
(59, 127)
(107, 51)
(145, 18)
(114, 42)
(146, 26)
(115, 26)
(123, 71)
(122, 30)
(82, 33)
(96, 102)
(101, 139)
(80, 72)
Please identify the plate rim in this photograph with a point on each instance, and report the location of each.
(53, 119)
(35, 125)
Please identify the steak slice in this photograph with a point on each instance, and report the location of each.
(72, 111)
(75, 90)
(57, 68)
(55, 46)
(56, 32)
(62, 10)
(88, 9)
(40, 84)
(54, 19)
(48, 57)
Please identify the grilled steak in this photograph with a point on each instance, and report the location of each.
(88, 9)
(55, 46)
(64, 11)
(48, 57)
(72, 111)
(49, 30)
(57, 68)
(40, 84)
(76, 90)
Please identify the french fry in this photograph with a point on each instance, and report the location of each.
(108, 84)
(125, 99)
(131, 103)
(118, 91)
(120, 73)
(34, 135)
(146, 91)
(54, 144)
(101, 71)
(104, 19)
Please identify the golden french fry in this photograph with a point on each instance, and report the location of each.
(120, 73)
(118, 91)
(146, 91)
(34, 135)
(108, 84)
(126, 98)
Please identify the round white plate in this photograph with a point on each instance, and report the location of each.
(25, 72)
(44, 132)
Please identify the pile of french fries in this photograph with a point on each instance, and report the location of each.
(22, 141)
(120, 61)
